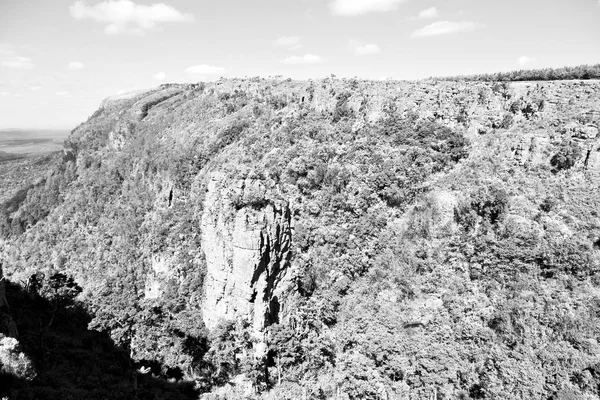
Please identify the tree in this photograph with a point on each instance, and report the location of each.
(59, 289)
(13, 364)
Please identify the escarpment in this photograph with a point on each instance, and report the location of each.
(334, 237)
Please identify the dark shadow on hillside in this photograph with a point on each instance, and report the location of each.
(75, 363)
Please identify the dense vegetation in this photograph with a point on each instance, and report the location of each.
(545, 74)
(428, 259)
(57, 357)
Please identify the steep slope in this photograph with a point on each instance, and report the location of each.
(335, 237)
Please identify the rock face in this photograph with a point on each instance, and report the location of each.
(246, 242)
(247, 250)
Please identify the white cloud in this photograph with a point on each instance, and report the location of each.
(358, 7)
(428, 13)
(124, 16)
(160, 76)
(204, 69)
(64, 94)
(35, 88)
(288, 41)
(4, 94)
(17, 62)
(9, 58)
(445, 28)
(305, 59)
(523, 60)
(364, 49)
(75, 65)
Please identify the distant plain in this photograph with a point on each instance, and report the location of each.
(17, 143)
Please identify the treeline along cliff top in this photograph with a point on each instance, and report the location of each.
(547, 74)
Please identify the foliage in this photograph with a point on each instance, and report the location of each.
(230, 344)
(421, 264)
(546, 74)
(342, 110)
(566, 156)
(60, 367)
(506, 122)
(487, 204)
(13, 361)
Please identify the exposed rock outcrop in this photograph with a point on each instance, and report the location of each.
(247, 248)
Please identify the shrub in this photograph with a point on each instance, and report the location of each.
(228, 136)
(490, 203)
(487, 203)
(341, 108)
(13, 361)
(548, 204)
(565, 158)
(506, 123)
(437, 137)
(571, 256)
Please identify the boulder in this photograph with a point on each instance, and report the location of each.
(587, 132)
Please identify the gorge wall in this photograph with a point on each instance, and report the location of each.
(375, 238)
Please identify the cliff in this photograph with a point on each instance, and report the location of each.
(371, 239)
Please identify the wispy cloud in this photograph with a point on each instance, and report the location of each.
(73, 65)
(524, 60)
(446, 28)
(35, 88)
(205, 69)
(64, 94)
(18, 62)
(428, 13)
(124, 16)
(287, 41)
(160, 76)
(4, 94)
(364, 49)
(305, 59)
(9, 58)
(359, 7)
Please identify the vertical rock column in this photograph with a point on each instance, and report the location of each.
(247, 249)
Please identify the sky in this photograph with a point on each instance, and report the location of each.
(59, 59)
